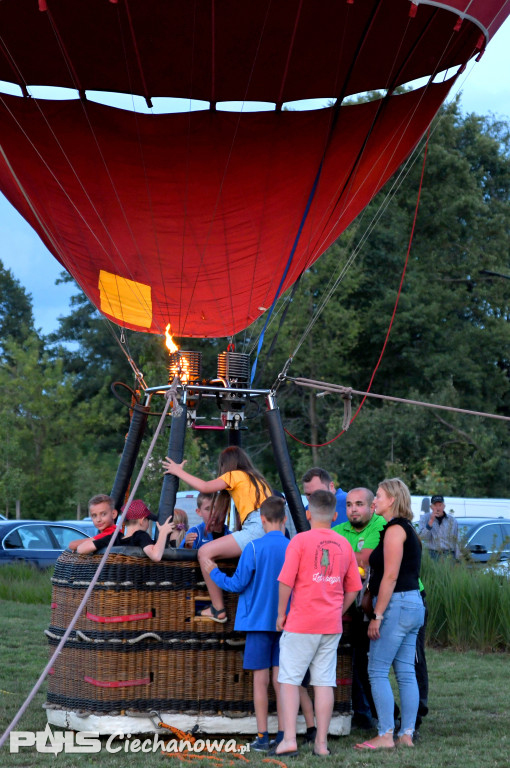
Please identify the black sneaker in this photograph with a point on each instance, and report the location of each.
(310, 735)
(261, 744)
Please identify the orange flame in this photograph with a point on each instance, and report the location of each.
(170, 343)
(184, 375)
(182, 369)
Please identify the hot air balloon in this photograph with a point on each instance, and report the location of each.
(201, 219)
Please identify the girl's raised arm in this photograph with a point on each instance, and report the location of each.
(171, 467)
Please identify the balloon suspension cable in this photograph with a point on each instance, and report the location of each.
(124, 346)
(288, 265)
(170, 400)
(347, 406)
(282, 376)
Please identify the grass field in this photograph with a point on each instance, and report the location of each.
(468, 725)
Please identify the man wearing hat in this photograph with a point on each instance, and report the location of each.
(439, 531)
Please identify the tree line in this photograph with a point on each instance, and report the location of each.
(62, 431)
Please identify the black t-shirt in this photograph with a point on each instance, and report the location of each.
(411, 560)
(137, 539)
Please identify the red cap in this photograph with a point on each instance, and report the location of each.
(138, 510)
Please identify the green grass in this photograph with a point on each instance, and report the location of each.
(468, 725)
(25, 584)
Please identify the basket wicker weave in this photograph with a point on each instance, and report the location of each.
(139, 645)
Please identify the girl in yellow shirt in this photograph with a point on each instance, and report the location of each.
(238, 480)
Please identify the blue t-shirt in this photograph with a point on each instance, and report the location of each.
(202, 536)
(341, 507)
(256, 578)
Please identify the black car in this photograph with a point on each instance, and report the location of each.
(37, 542)
(485, 537)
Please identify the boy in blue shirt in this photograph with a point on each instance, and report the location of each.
(197, 534)
(256, 579)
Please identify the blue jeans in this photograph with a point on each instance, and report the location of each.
(397, 645)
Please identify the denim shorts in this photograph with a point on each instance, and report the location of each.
(252, 529)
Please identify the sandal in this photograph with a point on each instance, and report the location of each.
(214, 615)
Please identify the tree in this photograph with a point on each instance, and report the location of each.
(450, 340)
(16, 317)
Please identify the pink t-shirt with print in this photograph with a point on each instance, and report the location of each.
(319, 566)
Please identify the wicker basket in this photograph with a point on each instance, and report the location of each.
(139, 646)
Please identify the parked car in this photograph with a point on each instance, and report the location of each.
(86, 525)
(37, 542)
(485, 538)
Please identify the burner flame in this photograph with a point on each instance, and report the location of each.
(170, 343)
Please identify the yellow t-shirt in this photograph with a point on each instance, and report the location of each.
(243, 493)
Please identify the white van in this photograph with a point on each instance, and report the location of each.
(455, 505)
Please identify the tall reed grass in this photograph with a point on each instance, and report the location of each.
(24, 584)
(469, 608)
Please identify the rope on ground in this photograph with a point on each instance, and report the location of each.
(346, 391)
(170, 398)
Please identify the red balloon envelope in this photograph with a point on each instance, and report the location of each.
(195, 219)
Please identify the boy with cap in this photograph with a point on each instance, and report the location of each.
(439, 531)
(137, 521)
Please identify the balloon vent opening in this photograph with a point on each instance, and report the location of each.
(234, 368)
(186, 365)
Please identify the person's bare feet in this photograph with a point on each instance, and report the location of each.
(378, 742)
(320, 749)
(405, 741)
(286, 747)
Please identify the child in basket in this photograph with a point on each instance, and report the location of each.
(198, 534)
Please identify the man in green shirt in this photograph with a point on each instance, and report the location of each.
(363, 531)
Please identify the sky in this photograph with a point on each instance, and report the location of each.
(484, 87)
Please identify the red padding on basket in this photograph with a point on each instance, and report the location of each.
(344, 681)
(117, 619)
(53, 606)
(116, 683)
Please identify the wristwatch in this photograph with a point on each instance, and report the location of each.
(377, 616)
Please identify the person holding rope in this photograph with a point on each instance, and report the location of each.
(240, 481)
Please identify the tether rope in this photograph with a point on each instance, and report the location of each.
(169, 395)
(347, 391)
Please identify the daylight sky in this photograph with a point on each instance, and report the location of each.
(484, 87)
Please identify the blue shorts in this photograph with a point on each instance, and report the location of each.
(262, 650)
